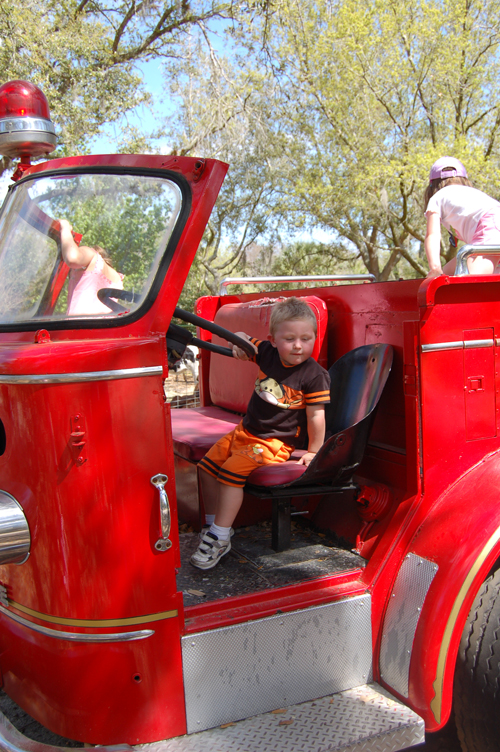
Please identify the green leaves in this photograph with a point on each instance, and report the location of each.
(82, 54)
(381, 89)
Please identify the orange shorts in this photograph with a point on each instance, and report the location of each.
(232, 458)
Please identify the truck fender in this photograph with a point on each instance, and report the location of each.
(449, 557)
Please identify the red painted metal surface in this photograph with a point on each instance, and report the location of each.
(439, 419)
(79, 457)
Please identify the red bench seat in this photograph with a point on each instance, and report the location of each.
(196, 429)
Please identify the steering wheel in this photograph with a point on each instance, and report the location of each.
(106, 295)
(209, 326)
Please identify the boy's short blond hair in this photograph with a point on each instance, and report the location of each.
(292, 309)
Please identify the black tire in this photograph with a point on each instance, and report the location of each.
(476, 693)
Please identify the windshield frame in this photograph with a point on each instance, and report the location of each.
(127, 318)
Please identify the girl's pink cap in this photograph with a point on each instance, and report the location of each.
(447, 167)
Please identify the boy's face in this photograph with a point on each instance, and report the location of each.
(294, 341)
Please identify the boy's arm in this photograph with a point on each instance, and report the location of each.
(315, 430)
(237, 351)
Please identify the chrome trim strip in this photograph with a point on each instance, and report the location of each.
(75, 378)
(76, 636)
(274, 280)
(478, 343)
(459, 345)
(443, 346)
(8, 125)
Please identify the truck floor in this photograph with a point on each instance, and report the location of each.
(252, 565)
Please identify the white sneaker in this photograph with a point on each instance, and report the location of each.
(210, 550)
(206, 528)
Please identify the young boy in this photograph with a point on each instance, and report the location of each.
(288, 401)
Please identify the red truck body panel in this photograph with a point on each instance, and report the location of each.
(80, 450)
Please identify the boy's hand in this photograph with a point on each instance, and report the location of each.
(306, 458)
(315, 430)
(237, 351)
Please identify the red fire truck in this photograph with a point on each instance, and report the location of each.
(358, 605)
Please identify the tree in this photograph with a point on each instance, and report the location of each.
(226, 111)
(371, 93)
(82, 53)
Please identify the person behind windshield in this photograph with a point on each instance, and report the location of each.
(467, 213)
(91, 270)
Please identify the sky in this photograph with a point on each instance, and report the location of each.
(142, 117)
(149, 120)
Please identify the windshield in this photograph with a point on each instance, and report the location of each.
(79, 246)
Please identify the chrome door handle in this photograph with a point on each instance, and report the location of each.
(163, 543)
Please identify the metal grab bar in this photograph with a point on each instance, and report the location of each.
(163, 543)
(466, 251)
(275, 280)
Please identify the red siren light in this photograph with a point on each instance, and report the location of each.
(26, 129)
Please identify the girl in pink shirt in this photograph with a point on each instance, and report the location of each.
(469, 215)
(90, 271)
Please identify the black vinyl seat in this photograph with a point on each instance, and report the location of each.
(357, 381)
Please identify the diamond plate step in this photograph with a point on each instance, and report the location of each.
(365, 719)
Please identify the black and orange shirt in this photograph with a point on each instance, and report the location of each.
(277, 407)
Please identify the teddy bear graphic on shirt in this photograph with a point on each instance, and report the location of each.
(277, 394)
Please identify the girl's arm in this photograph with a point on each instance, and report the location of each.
(76, 257)
(315, 430)
(432, 245)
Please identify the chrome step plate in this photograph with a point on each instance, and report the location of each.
(242, 670)
(364, 719)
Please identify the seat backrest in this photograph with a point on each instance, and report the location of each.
(357, 381)
(231, 383)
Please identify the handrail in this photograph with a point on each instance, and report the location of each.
(466, 251)
(274, 280)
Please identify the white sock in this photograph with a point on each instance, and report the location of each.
(222, 533)
(209, 519)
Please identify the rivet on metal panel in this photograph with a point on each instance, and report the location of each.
(42, 337)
